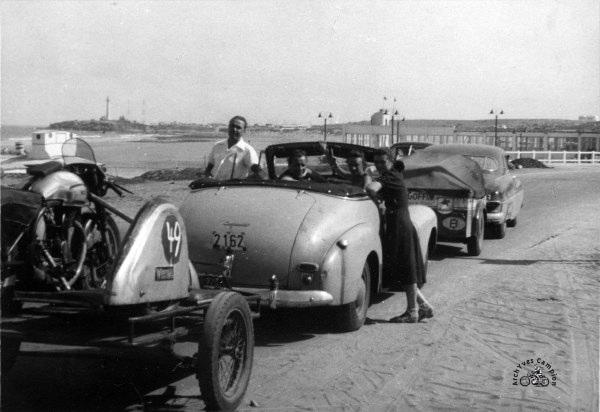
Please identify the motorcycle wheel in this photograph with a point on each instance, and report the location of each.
(544, 381)
(524, 380)
(101, 255)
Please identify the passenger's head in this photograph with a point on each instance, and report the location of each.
(236, 128)
(297, 163)
(382, 159)
(356, 162)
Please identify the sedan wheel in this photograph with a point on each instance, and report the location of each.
(500, 230)
(352, 315)
(512, 222)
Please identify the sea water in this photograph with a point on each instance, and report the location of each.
(129, 155)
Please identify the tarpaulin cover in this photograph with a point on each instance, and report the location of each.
(440, 171)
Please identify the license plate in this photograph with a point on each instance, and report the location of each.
(421, 198)
(229, 240)
(164, 273)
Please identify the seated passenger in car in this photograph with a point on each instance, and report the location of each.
(358, 175)
(297, 170)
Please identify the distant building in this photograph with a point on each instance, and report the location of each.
(382, 133)
(589, 118)
(47, 144)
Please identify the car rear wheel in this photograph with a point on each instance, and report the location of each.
(475, 242)
(351, 316)
(512, 222)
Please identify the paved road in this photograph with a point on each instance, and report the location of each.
(532, 296)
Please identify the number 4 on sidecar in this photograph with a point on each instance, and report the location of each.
(152, 297)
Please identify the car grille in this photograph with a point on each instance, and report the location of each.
(492, 207)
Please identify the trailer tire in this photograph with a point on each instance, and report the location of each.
(225, 352)
(9, 351)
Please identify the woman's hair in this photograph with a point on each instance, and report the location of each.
(355, 154)
(296, 154)
(399, 165)
(383, 151)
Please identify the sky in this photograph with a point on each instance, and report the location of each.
(285, 62)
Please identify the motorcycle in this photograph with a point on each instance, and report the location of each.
(57, 232)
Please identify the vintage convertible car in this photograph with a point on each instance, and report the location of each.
(297, 244)
(453, 187)
(504, 192)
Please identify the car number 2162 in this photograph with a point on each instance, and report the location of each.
(229, 240)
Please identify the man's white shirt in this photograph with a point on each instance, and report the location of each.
(222, 159)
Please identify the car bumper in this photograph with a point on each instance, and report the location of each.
(290, 298)
(496, 213)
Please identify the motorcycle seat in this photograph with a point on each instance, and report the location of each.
(44, 169)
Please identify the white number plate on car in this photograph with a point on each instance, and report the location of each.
(229, 240)
(421, 198)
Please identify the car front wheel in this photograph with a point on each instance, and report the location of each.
(351, 316)
(500, 230)
(512, 222)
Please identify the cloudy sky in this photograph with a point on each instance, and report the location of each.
(286, 61)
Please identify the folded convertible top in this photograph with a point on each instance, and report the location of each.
(441, 171)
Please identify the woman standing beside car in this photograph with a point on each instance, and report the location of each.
(398, 241)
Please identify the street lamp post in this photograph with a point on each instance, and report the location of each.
(392, 136)
(325, 116)
(496, 125)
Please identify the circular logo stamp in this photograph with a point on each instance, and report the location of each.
(535, 373)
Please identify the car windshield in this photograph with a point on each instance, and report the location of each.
(486, 163)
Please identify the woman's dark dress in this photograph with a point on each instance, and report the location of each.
(400, 235)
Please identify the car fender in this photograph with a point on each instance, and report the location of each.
(344, 261)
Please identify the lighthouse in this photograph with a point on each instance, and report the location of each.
(107, 108)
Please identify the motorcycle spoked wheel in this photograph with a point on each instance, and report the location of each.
(101, 254)
(58, 251)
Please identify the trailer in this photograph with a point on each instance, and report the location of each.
(153, 298)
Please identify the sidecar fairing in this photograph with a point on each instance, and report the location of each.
(152, 266)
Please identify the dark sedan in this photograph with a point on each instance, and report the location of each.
(504, 192)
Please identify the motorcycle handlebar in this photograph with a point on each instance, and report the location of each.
(115, 188)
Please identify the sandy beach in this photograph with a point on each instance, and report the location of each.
(532, 298)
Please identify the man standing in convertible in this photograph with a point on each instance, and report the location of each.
(233, 157)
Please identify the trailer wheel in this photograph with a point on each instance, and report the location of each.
(225, 352)
(9, 352)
